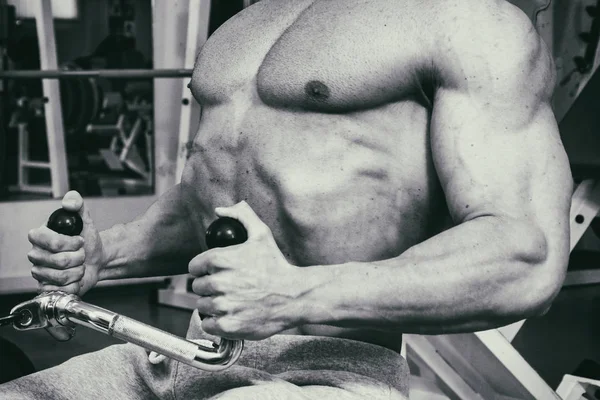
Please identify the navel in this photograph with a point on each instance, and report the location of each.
(317, 90)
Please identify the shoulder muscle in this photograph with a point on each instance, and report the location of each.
(490, 49)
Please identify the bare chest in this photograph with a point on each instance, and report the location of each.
(320, 55)
(310, 114)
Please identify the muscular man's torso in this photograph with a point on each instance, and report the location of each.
(316, 114)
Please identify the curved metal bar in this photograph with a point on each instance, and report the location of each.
(58, 308)
(99, 73)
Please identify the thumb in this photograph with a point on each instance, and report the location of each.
(72, 201)
(242, 211)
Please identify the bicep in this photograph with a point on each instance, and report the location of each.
(494, 137)
(493, 161)
(488, 162)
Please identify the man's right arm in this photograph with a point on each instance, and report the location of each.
(161, 241)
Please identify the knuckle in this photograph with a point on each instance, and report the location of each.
(213, 262)
(203, 306)
(54, 244)
(79, 242)
(221, 325)
(220, 304)
(50, 277)
(80, 256)
(64, 261)
(61, 260)
(62, 279)
(215, 285)
(214, 256)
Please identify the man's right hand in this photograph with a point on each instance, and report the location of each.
(67, 263)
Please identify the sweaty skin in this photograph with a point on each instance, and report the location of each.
(355, 129)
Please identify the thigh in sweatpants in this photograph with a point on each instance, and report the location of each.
(123, 372)
(116, 372)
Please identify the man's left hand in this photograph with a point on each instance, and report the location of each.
(248, 291)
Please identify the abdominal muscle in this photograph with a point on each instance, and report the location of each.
(333, 189)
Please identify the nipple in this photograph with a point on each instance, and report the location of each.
(317, 90)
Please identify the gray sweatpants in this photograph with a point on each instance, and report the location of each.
(281, 367)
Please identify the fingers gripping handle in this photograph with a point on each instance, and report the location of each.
(225, 232)
(58, 308)
(221, 233)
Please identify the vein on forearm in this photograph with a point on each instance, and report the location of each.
(476, 275)
(159, 242)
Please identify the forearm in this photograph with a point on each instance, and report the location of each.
(478, 275)
(159, 242)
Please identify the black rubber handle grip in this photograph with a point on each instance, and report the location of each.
(65, 222)
(225, 232)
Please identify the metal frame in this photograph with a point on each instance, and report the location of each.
(99, 73)
(25, 164)
(472, 365)
(584, 208)
(422, 353)
(575, 388)
(53, 110)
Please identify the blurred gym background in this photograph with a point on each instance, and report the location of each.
(122, 141)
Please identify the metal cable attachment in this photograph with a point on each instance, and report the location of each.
(62, 309)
